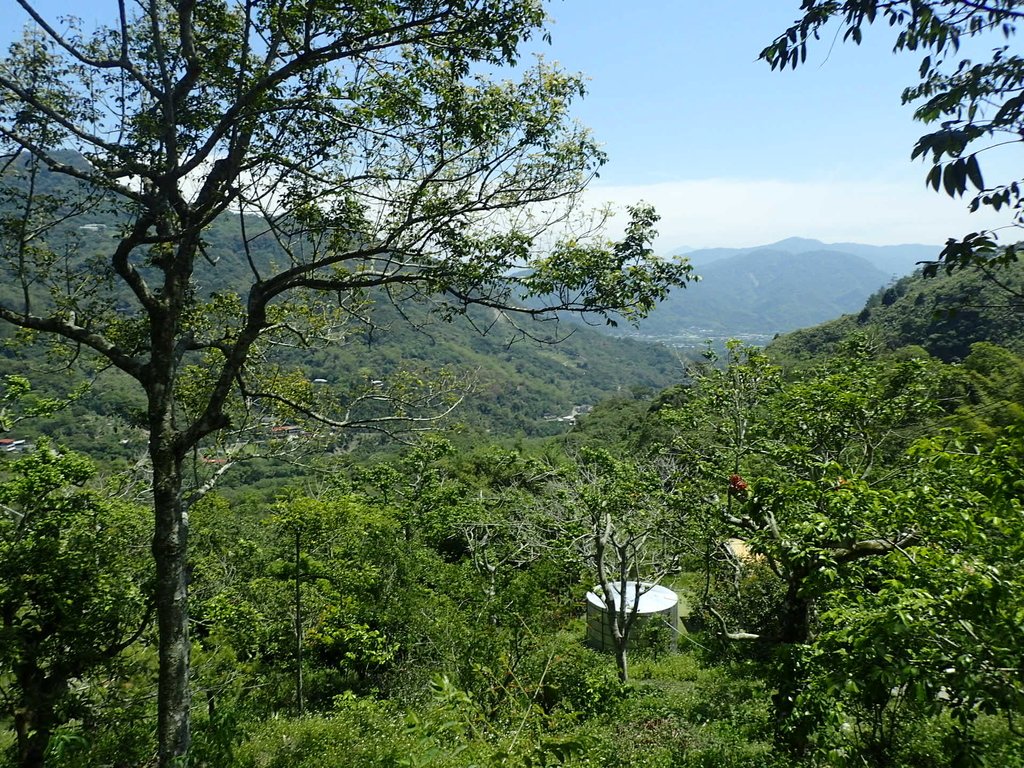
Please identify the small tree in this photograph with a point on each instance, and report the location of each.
(73, 584)
(621, 516)
(716, 432)
(920, 626)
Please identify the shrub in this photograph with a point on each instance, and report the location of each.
(361, 732)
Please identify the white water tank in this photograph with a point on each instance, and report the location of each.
(657, 618)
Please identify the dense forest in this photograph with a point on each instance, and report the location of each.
(428, 609)
(306, 463)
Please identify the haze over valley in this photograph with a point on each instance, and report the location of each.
(755, 293)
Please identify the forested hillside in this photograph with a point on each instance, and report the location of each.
(944, 314)
(765, 292)
(517, 375)
(429, 609)
(513, 385)
(754, 293)
(302, 465)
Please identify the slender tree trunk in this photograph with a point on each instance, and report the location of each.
(298, 621)
(167, 450)
(602, 536)
(621, 660)
(170, 543)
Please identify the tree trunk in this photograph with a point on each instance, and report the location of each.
(167, 450)
(170, 544)
(796, 618)
(621, 660)
(792, 732)
(34, 732)
(34, 715)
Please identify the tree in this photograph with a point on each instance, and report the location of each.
(72, 591)
(977, 105)
(716, 431)
(621, 514)
(363, 150)
(806, 473)
(928, 627)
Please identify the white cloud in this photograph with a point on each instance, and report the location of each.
(706, 213)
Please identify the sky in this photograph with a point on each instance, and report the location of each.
(734, 154)
(730, 153)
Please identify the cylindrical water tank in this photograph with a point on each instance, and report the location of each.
(657, 610)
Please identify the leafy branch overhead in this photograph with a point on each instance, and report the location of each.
(977, 104)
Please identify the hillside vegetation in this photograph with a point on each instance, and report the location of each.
(767, 291)
(284, 483)
(512, 372)
(428, 609)
(840, 517)
(944, 315)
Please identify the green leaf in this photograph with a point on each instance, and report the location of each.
(954, 178)
(974, 172)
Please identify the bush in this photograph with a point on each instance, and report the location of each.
(361, 732)
(569, 678)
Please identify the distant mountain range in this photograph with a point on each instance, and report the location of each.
(778, 288)
(894, 260)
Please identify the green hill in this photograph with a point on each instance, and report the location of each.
(766, 291)
(943, 314)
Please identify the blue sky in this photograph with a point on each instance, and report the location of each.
(729, 152)
(734, 154)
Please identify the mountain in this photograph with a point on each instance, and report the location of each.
(944, 315)
(892, 259)
(764, 291)
(517, 388)
(518, 381)
(518, 376)
(756, 293)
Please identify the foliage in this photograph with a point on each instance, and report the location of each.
(439, 591)
(858, 412)
(73, 592)
(928, 630)
(356, 594)
(944, 315)
(573, 682)
(996, 376)
(367, 145)
(358, 732)
(19, 402)
(812, 476)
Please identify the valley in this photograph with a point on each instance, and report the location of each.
(343, 423)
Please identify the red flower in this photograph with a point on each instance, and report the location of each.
(737, 487)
